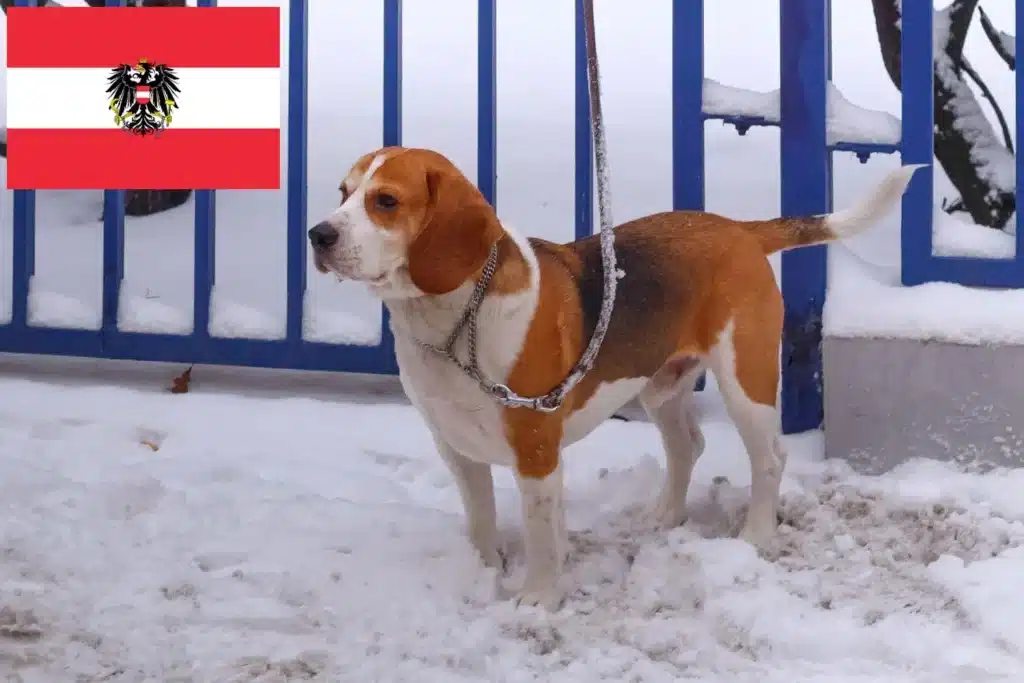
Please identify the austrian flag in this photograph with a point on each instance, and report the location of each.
(144, 98)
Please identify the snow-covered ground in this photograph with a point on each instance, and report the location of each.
(289, 539)
(223, 536)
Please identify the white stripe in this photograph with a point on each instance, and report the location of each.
(209, 98)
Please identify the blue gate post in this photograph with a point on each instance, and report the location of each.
(688, 109)
(805, 61)
(916, 140)
(23, 244)
(204, 271)
(298, 102)
(392, 72)
(688, 105)
(113, 261)
(1018, 131)
(204, 268)
(487, 95)
(23, 258)
(584, 162)
(392, 135)
(113, 252)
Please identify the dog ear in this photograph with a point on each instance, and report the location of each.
(457, 238)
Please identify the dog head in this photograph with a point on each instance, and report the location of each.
(409, 224)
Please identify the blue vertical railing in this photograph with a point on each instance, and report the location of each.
(23, 247)
(204, 270)
(487, 99)
(688, 105)
(805, 63)
(688, 184)
(392, 128)
(297, 181)
(584, 159)
(113, 252)
(916, 144)
(806, 158)
(23, 255)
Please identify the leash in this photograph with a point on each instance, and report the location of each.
(551, 401)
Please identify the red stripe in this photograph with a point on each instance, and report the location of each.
(225, 159)
(176, 36)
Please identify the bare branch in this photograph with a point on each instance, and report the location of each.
(887, 28)
(987, 94)
(1004, 44)
(955, 206)
(960, 14)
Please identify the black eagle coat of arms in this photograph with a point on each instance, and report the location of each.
(142, 96)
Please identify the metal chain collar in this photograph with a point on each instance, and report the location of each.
(551, 401)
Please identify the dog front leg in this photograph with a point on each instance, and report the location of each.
(545, 537)
(476, 488)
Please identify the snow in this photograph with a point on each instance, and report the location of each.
(214, 537)
(336, 327)
(866, 298)
(845, 121)
(53, 309)
(234, 320)
(954, 236)
(145, 314)
(726, 100)
(868, 301)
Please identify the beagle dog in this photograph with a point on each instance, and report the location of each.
(696, 292)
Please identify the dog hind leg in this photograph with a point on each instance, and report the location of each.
(667, 399)
(746, 364)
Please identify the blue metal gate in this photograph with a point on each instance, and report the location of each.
(806, 165)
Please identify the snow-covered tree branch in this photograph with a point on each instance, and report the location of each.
(977, 162)
(1005, 45)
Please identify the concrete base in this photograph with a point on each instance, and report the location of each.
(889, 400)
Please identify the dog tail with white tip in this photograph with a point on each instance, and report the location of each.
(780, 234)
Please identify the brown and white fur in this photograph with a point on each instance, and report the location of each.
(697, 292)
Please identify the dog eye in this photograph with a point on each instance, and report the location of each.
(386, 201)
(344, 194)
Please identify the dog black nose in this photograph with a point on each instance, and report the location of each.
(323, 236)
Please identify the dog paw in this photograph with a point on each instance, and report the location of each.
(668, 512)
(760, 536)
(549, 598)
